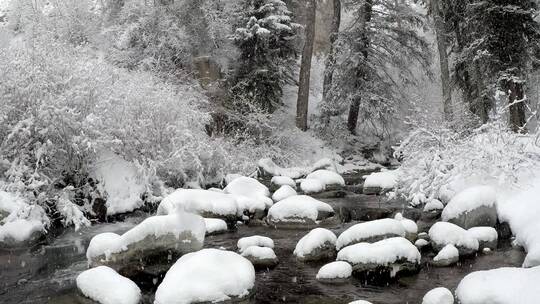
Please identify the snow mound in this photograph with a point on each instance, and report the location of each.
(259, 252)
(312, 186)
(268, 166)
(20, 230)
(421, 243)
(503, 285)
(383, 252)
(103, 285)
(468, 200)
(315, 239)
(208, 275)
(385, 180)
(215, 225)
(283, 181)
(283, 192)
(255, 240)
(433, 205)
(439, 295)
(443, 233)
(298, 208)
(449, 252)
(230, 177)
(327, 177)
(370, 231)
(335, 270)
(484, 234)
(249, 187)
(201, 202)
(360, 302)
(410, 226)
(9, 202)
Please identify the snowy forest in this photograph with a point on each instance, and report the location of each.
(270, 151)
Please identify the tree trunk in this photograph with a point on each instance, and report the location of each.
(516, 99)
(354, 108)
(305, 68)
(443, 59)
(331, 58)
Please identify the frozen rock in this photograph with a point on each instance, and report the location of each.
(283, 181)
(283, 192)
(449, 255)
(312, 186)
(230, 177)
(249, 187)
(380, 182)
(334, 272)
(103, 285)
(486, 236)
(268, 167)
(318, 244)
(439, 295)
(255, 240)
(25, 225)
(371, 231)
(411, 229)
(261, 257)
(472, 207)
(327, 177)
(300, 210)
(208, 275)
(443, 233)
(433, 205)
(215, 226)
(206, 203)
(421, 243)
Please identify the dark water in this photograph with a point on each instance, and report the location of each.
(46, 273)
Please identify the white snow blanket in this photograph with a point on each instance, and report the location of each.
(255, 240)
(335, 270)
(371, 229)
(283, 192)
(316, 238)
(299, 206)
(383, 252)
(208, 275)
(103, 285)
(500, 286)
(439, 295)
(468, 200)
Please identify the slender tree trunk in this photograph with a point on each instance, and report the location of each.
(305, 68)
(354, 108)
(516, 99)
(442, 46)
(331, 58)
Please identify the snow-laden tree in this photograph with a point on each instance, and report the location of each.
(265, 38)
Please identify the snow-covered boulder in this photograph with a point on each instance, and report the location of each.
(421, 244)
(9, 202)
(439, 295)
(393, 255)
(231, 176)
(23, 226)
(318, 244)
(206, 203)
(327, 177)
(105, 286)
(443, 233)
(261, 257)
(449, 255)
(503, 285)
(283, 181)
(215, 226)
(255, 240)
(334, 272)
(380, 182)
(433, 205)
(283, 192)
(208, 275)
(156, 237)
(312, 186)
(299, 210)
(472, 207)
(251, 188)
(411, 229)
(486, 236)
(360, 302)
(371, 231)
(267, 167)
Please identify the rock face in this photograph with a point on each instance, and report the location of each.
(318, 244)
(472, 207)
(261, 257)
(449, 255)
(443, 233)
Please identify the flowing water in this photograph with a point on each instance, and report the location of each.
(46, 273)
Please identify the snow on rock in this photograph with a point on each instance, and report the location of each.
(433, 205)
(360, 302)
(443, 233)
(230, 177)
(396, 254)
(449, 255)
(255, 240)
(209, 204)
(300, 209)
(370, 232)
(439, 295)
(380, 182)
(411, 229)
(283, 192)
(421, 243)
(324, 164)
(121, 181)
(334, 271)
(486, 236)
(249, 187)
(208, 275)
(9, 202)
(177, 233)
(105, 286)
(327, 177)
(19, 231)
(474, 206)
(215, 226)
(268, 167)
(503, 285)
(318, 244)
(283, 181)
(312, 186)
(260, 257)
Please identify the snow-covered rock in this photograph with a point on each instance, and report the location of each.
(208, 275)
(318, 244)
(433, 205)
(20, 231)
(268, 167)
(283, 192)
(371, 231)
(360, 302)
(449, 255)
(283, 181)
(255, 240)
(421, 243)
(9, 202)
(394, 255)
(439, 295)
(503, 285)
(486, 236)
(299, 209)
(105, 286)
(327, 177)
(249, 187)
(474, 206)
(231, 176)
(443, 233)
(312, 186)
(261, 257)
(166, 235)
(411, 229)
(206, 203)
(215, 226)
(335, 271)
(380, 182)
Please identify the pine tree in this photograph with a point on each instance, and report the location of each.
(267, 55)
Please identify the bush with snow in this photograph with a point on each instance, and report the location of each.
(318, 244)
(105, 286)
